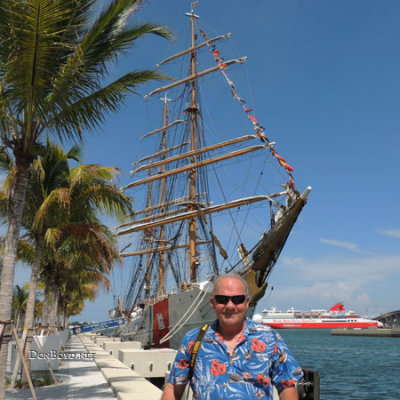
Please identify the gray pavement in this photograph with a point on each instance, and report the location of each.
(80, 380)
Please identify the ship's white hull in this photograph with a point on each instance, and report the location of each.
(164, 323)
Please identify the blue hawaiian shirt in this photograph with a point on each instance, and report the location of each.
(260, 360)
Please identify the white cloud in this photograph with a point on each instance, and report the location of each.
(335, 268)
(366, 284)
(337, 243)
(390, 232)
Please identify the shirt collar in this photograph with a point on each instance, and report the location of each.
(248, 330)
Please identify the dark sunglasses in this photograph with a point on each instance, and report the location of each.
(238, 299)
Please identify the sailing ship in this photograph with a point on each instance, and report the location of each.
(178, 252)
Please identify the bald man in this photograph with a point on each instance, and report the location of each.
(238, 358)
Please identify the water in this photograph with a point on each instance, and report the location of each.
(350, 368)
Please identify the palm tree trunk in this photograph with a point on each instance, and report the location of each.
(59, 312)
(66, 319)
(15, 210)
(45, 307)
(16, 324)
(53, 310)
(64, 315)
(30, 305)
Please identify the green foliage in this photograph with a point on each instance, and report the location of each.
(20, 296)
(54, 62)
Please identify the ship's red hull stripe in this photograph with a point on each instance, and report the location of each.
(160, 322)
(320, 325)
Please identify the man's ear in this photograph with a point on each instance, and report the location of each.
(247, 302)
(212, 301)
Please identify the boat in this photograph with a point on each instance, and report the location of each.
(174, 241)
(336, 317)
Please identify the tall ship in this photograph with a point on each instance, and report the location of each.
(200, 203)
(336, 317)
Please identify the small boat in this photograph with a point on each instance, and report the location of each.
(199, 195)
(336, 317)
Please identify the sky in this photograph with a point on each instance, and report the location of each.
(324, 77)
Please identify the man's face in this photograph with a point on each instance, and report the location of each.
(230, 314)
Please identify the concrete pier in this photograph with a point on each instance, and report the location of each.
(90, 372)
(380, 332)
(80, 380)
(125, 382)
(104, 376)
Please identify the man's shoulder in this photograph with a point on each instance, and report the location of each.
(192, 334)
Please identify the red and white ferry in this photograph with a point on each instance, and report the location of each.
(336, 317)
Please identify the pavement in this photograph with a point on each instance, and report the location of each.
(80, 379)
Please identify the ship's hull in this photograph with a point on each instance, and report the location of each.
(320, 324)
(164, 323)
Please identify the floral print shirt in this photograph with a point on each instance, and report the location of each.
(260, 360)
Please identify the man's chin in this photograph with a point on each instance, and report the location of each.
(231, 318)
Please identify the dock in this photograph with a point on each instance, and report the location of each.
(127, 368)
(114, 370)
(80, 379)
(380, 332)
(101, 374)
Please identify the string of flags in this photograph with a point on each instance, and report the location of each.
(256, 124)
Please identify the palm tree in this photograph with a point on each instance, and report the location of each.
(83, 254)
(51, 217)
(47, 174)
(53, 61)
(20, 297)
(77, 276)
(77, 298)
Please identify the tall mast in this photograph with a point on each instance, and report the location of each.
(161, 267)
(147, 235)
(193, 110)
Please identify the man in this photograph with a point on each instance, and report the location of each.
(238, 358)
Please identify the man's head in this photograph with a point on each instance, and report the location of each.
(230, 300)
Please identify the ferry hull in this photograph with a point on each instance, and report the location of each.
(320, 325)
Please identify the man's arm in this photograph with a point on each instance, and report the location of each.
(174, 392)
(289, 394)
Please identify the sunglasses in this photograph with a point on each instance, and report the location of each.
(238, 299)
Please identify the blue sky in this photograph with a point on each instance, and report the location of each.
(324, 77)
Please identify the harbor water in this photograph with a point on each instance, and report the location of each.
(350, 368)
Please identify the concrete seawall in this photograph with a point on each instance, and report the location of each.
(381, 332)
(110, 369)
(125, 366)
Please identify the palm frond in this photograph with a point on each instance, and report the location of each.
(35, 37)
(25, 252)
(55, 208)
(90, 112)
(111, 201)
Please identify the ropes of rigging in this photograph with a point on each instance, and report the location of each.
(256, 125)
(195, 305)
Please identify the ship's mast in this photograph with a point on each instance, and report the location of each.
(193, 110)
(161, 267)
(186, 208)
(181, 206)
(148, 244)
